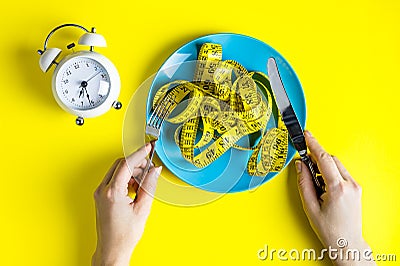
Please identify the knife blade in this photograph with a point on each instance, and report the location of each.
(292, 123)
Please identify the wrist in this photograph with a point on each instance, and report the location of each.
(355, 253)
(103, 259)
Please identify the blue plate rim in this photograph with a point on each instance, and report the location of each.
(290, 157)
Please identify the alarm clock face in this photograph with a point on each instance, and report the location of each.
(86, 84)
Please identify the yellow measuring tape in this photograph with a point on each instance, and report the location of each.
(224, 105)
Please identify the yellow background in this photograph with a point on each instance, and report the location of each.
(346, 54)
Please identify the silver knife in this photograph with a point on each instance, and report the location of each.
(292, 123)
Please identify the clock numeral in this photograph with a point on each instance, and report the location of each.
(95, 68)
(65, 81)
(68, 72)
(82, 103)
(87, 65)
(103, 76)
(73, 100)
(91, 102)
(76, 66)
(101, 96)
(66, 91)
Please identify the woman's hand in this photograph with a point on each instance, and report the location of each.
(120, 220)
(337, 214)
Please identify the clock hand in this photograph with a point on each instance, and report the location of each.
(81, 91)
(88, 97)
(87, 94)
(93, 76)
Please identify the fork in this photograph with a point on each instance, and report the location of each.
(153, 128)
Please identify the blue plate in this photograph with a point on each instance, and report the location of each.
(228, 173)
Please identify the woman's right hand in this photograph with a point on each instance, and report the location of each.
(336, 216)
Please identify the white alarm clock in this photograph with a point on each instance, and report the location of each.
(85, 83)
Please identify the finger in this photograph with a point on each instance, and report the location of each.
(306, 187)
(142, 167)
(135, 186)
(109, 174)
(145, 194)
(136, 173)
(326, 164)
(139, 156)
(143, 163)
(343, 171)
(132, 188)
(126, 167)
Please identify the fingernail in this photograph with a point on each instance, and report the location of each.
(158, 170)
(308, 133)
(298, 166)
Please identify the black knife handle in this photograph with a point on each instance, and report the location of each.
(318, 181)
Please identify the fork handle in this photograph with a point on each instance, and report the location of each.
(147, 167)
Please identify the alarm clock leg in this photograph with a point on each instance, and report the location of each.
(117, 105)
(79, 121)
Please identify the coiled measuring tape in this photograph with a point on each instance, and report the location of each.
(224, 106)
